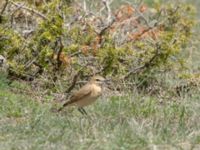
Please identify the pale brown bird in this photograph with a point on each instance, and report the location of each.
(2, 60)
(87, 94)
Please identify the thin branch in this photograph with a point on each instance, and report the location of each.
(12, 74)
(59, 42)
(39, 71)
(139, 13)
(142, 67)
(29, 63)
(57, 65)
(102, 31)
(75, 78)
(107, 6)
(75, 53)
(84, 6)
(74, 81)
(29, 9)
(13, 12)
(4, 7)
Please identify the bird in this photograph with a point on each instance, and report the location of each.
(2, 60)
(86, 95)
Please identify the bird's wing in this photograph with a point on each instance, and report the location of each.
(80, 94)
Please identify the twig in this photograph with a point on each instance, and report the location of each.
(139, 13)
(101, 32)
(29, 63)
(73, 82)
(59, 62)
(84, 6)
(107, 6)
(12, 74)
(142, 67)
(13, 12)
(75, 78)
(75, 53)
(4, 7)
(39, 71)
(30, 10)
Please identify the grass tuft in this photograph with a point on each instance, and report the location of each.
(119, 122)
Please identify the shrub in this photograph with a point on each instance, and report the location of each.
(70, 40)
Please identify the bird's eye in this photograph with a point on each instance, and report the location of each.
(97, 80)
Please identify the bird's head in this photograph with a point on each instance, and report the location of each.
(99, 80)
(2, 60)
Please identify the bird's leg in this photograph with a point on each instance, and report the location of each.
(79, 109)
(82, 111)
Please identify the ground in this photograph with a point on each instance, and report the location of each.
(132, 121)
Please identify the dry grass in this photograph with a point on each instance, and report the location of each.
(133, 121)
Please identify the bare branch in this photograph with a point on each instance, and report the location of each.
(74, 81)
(60, 44)
(4, 7)
(29, 9)
(107, 6)
(145, 66)
(138, 12)
(84, 6)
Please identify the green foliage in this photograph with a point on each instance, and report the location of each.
(10, 42)
(79, 44)
(11, 46)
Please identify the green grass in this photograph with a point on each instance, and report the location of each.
(127, 122)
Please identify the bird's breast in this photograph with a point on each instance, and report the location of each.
(96, 91)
